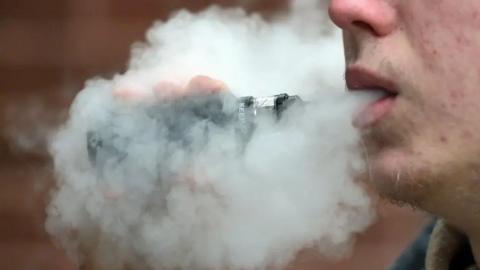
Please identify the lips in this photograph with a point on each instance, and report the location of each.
(362, 79)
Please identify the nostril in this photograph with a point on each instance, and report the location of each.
(373, 17)
(365, 26)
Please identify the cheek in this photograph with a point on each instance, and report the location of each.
(459, 106)
(445, 35)
(451, 102)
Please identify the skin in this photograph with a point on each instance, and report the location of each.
(426, 151)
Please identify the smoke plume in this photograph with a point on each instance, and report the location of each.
(177, 191)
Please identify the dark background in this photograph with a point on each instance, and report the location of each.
(48, 48)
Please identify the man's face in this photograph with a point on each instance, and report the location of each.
(423, 140)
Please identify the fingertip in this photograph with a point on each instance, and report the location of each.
(205, 85)
(129, 94)
(123, 93)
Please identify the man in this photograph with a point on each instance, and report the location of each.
(423, 139)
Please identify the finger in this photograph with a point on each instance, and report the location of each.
(205, 85)
(130, 94)
(167, 90)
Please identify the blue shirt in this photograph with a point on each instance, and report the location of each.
(413, 258)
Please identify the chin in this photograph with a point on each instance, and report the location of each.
(399, 177)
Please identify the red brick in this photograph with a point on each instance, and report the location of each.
(52, 87)
(267, 7)
(33, 80)
(78, 42)
(32, 42)
(102, 42)
(161, 10)
(23, 255)
(148, 9)
(88, 8)
(85, 40)
(45, 9)
(23, 197)
(33, 98)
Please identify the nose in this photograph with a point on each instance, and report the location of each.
(375, 16)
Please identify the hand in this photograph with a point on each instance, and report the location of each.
(165, 90)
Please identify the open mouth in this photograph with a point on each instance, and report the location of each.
(361, 79)
(375, 111)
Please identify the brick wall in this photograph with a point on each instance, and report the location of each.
(47, 50)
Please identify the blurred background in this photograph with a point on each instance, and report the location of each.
(47, 50)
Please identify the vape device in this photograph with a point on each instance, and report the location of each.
(176, 117)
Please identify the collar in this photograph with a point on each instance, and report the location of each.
(445, 248)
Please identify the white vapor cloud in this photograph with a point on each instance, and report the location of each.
(203, 198)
